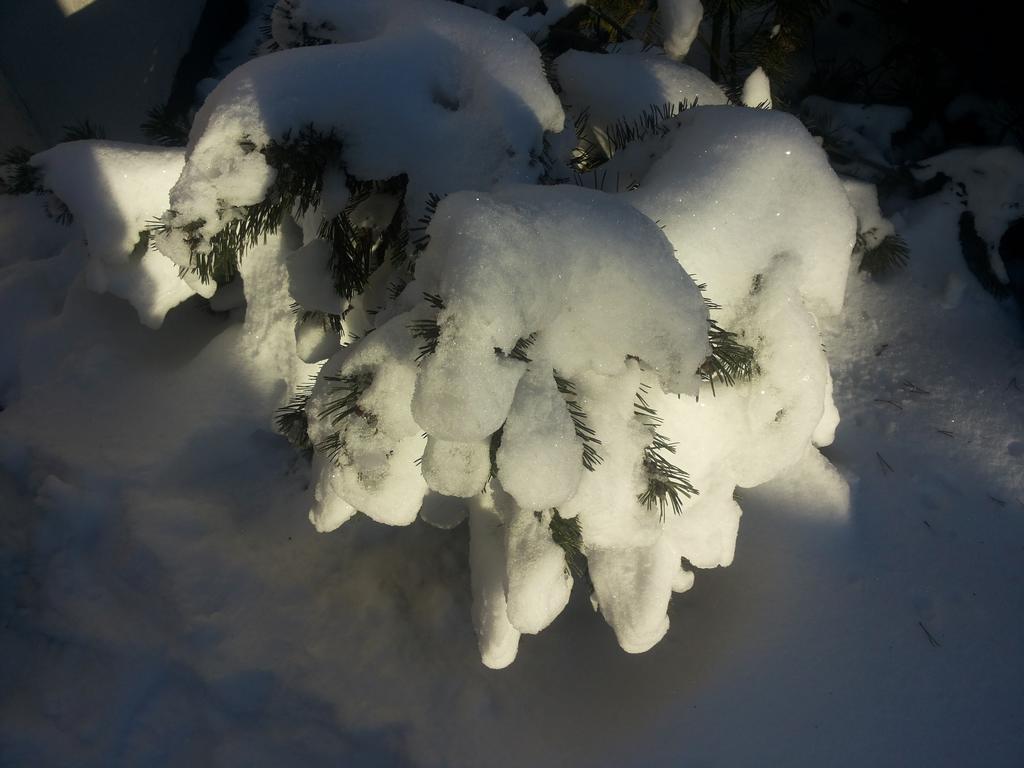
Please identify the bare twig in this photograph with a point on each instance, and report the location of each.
(886, 466)
(931, 638)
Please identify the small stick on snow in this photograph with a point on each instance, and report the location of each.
(1000, 502)
(886, 466)
(945, 432)
(880, 349)
(931, 638)
(913, 389)
(895, 405)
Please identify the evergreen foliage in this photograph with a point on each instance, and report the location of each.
(83, 131)
(19, 176)
(585, 433)
(889, 254)
(667, 484)
(300, 161)
(292, 421)
(653, 122)
(568, 534)
(730, 360)
(165, 127)
(345, 394)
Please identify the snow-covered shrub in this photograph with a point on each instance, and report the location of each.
(586, 370)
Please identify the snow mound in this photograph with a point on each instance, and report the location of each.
(474, 87)
(114, 190)
(537, 317)
(608, 88)
(680, 23)
(737, 189)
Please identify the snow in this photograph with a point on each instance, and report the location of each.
(479, 95)
(864, 131)
(166, 601)
(169, 601)
(596, 290)
(618, 86)
(989, 183)
(757, 91)
(735, 189)
(680, 24)
(114, 190)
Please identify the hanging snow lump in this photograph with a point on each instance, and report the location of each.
(513, 371)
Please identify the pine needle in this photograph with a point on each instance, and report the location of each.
(890, 254)
(585, 433)
(568, 534)
(667, 484)
(292, 421)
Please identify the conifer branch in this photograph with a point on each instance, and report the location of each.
(19, 176)
(300, 162)
(521, 347)
(347, 390)
(666, 483)
(165, 127)
(422, 240)
(428, 329)
(889, 254)
(327, 320)
(568, 535)
(585, 433)
(292, 420)
(82, 131)
(653, 122)
(730, 359)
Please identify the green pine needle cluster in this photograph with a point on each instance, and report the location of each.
(427, 330)
(891, 253)
(667, 484)
(17, 175)
(730, 360)
(346, 391)
(292, 420)
(326, 320)
(653, 122)
(568, 535)
(521, 347)
(300, 161)
(165, 127)
(585, 433)
(83, 131)
(358, 250)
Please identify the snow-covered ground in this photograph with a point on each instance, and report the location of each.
(165, 601)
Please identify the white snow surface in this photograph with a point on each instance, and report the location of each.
(114, 190)
(595, 289)
(474, 87)
(680, 23)
(166, 601)
(757, 90)
(622, 85)
(738, 189)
